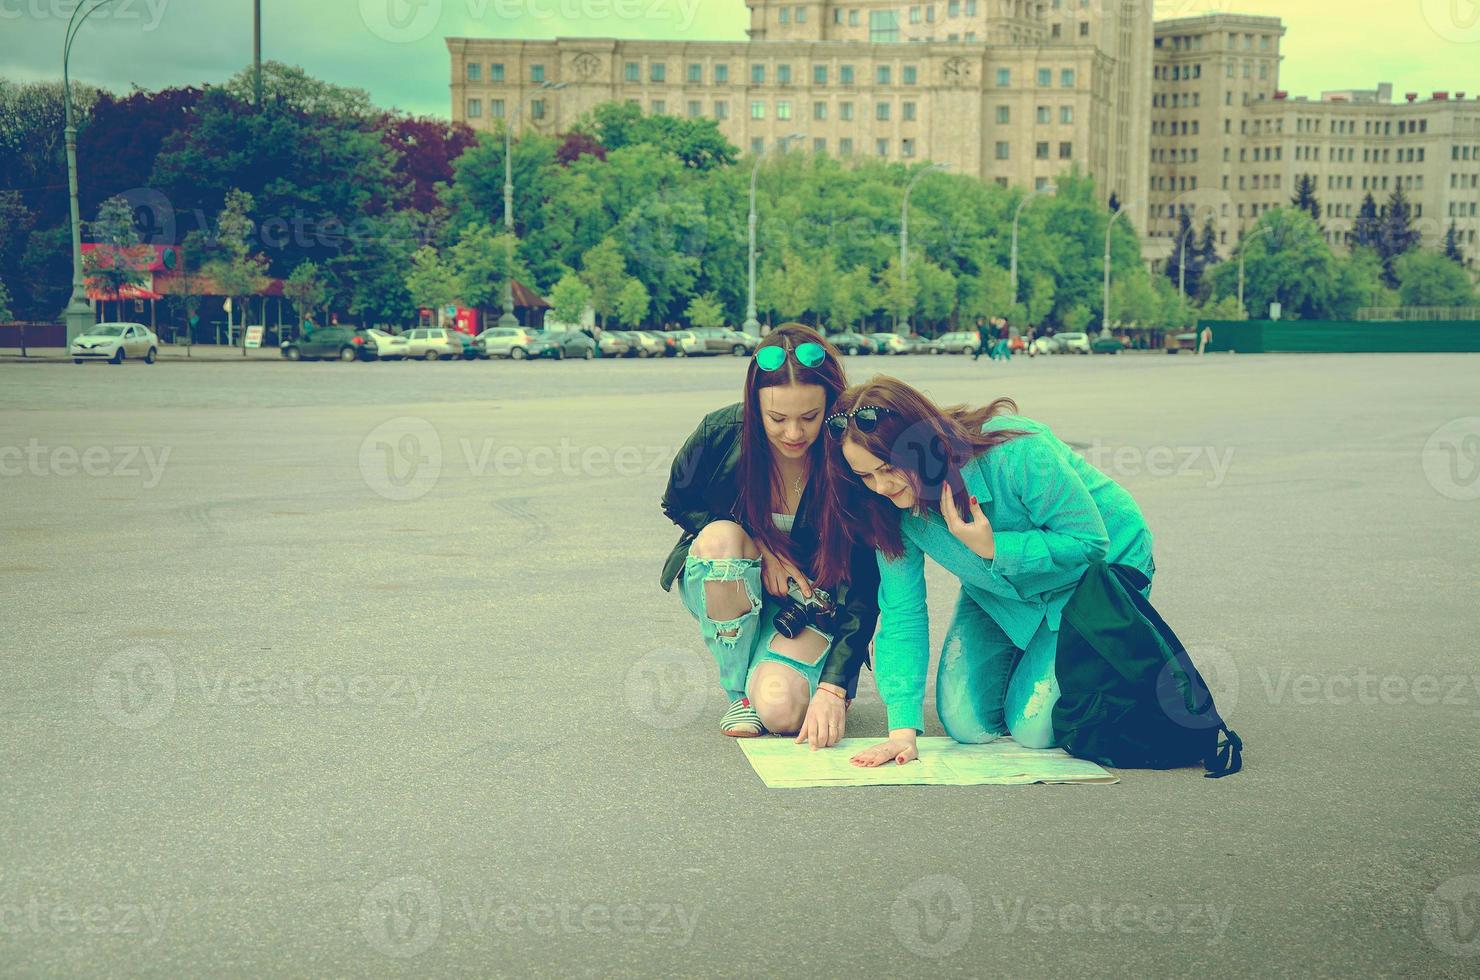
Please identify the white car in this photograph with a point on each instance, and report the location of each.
(388, 346)
(1073, 343)
(889, 343)
(511, 342)
(116, 342)
(689, 343)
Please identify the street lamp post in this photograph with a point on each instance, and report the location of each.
(904, 230)
(1016, 215)
(507, 319)
(752, 325)
(1260, 230)
(79, 315)
(1105, 308)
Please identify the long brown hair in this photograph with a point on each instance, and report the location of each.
(758, 476)
(927, 444)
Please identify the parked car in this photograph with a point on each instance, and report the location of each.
(385, 346)
(750, 339)
(1107, 345)
(852, 343)
(472, 348)
(115, 343)
(1045, 345)
(335, 343)
(1180, 342)
(613, 344)
(560, 344)
(916, 344)
(515, 343)
(889, 343)
(687, 343)
(722, 340)
(433, 343)
(1073, 342)
(645, 344)
(958, 342)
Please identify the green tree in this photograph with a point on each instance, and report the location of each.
(1367, 229)
(1396, 235)
(1040, 299)
(569, 299)
(482, 261)
(1452, 250)
(432, 281)
(854, 297)
(1134, 301)
(1358, 285)
(1427, 278)
(633, 303)
(117, 262)
(306, 289)
(1227, 308)
(705, 311)
(1305, 198)
(5, 313)
(935, 290)
(1076, 318)
(604, 270)
(898, 293)
(239, 272)
(1290, 263)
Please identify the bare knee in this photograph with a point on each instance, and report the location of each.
(723, 539)
(779, 695)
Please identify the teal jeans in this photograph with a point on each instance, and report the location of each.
(986, 687)
(741, 645)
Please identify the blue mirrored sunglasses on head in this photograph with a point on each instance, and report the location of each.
(807, 355)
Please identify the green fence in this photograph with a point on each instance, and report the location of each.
(1343, 336)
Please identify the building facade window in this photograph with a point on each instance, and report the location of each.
(1003, 151)
(1066, 78)
(882, 75)
(783, 74)
(537, 109)
(881, 147)
(907, 111)
(633, 72)
(883, 26)
(1004, 77)
(1004, 115)
(496, 108)
(721, 74)
(911, 74)
(845, 147)
(537, 74)
(722, 110)
(845, 74)
(845, 111)
(819, 110)
(496, 72)
(819, 74)
(1045, 77)
(757, 110)
(475, 71)
(475, 108)
(757, 74)
(696, 74)
(881, 111)
(783, 110)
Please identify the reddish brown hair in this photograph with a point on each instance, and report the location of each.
(926, 443)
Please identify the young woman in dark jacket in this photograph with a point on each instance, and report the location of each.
(748, 489)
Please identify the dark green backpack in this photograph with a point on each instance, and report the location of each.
(1129, 695)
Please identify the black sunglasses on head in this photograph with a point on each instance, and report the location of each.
(866, 417)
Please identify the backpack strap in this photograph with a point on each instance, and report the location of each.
(1227, 756)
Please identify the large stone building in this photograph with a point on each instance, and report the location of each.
(1010, 91)
(1180, 114)
(1228, 142)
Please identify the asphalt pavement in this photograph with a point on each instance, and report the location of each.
(363, 669)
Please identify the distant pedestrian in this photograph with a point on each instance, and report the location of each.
(1204, 339)
(983, 338)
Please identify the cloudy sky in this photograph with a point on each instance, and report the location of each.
(395, 48)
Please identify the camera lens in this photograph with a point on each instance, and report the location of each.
(791, 621)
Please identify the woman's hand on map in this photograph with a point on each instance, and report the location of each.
(900, 747)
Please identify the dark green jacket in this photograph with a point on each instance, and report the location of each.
(703, 487)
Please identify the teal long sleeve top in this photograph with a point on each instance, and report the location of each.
(1052, 516)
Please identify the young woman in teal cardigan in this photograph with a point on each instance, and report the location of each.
(1007, 508)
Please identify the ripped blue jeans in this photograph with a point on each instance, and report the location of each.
(987, 687)
(741, 645)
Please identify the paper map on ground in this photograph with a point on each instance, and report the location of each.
(782, 764)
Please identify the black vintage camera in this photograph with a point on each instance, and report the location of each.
(798, 612)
